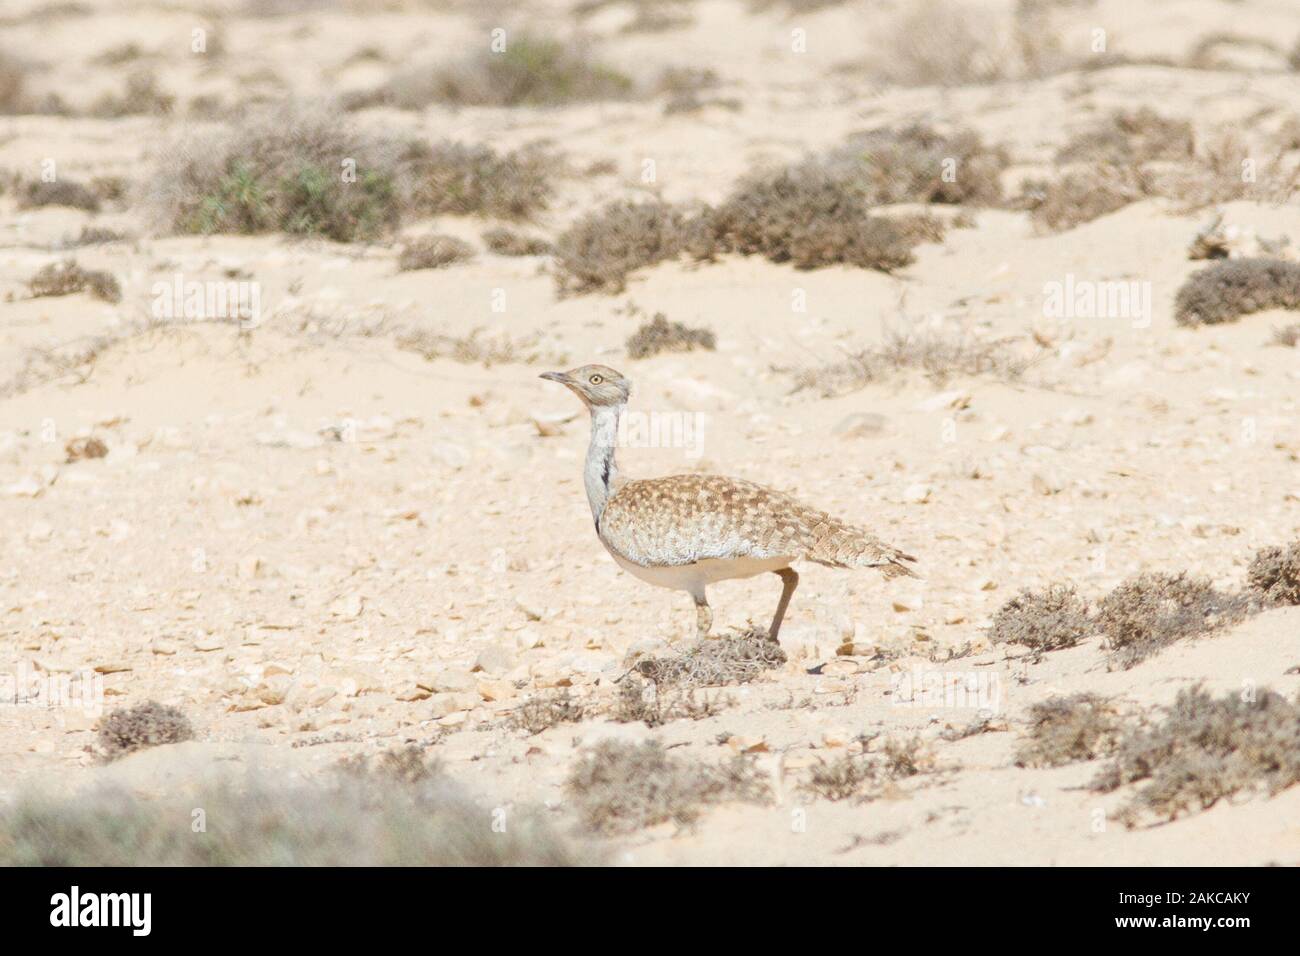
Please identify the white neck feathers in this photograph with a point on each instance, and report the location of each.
(600, 470)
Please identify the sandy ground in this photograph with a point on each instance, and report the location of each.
(304, 598)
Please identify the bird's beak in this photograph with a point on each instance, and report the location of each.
(555, 377)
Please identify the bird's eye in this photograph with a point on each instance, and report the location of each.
(596, 380)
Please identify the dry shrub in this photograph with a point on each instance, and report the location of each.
(1069, 729)
(68, 278)
(600, 250)
(1124, 138)
(1045, 620)
(807, 215)
(1218, 174)
(504, 242)
(93, 236)
(1229, 289)
(938, 353)
(37, 193)
(716, 661)
(660, 335)
(461, 180)
(308, 171)
(141, 97)
(911, 164)
(1275, 573)
(866, 777)
(13, 75)
(531, 71)
(476, 348)
(620, 787)
(397, 811)
(546, 711)
(1205, 53)
(1288, 336)
(84, 447)
(148, 725)
(433, 252)
(1147, 613)
(940, 43)
(1083, 195)
(1207, 749)
(646, 702)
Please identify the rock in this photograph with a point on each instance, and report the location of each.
(904, 603)
(494, 659)
(955, 399)
(450, 680)
(836, 737)
(273, 690)
(861, 425)
(916, 494)
(250, 566)
(40, 531)
(495, 690)
(440, 705)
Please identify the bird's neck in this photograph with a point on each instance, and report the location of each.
(601, 471)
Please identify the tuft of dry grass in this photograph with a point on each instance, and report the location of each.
(1148, 612)
(1274, 572)
(38, 193)
(1068, 729)
(1231, 288)
(531, 71)
(149, 725)
(68, 278)
(433, 252)
(659, 335)
(618, 787)
(1207, 749)
(1045, 620)
(937, 353)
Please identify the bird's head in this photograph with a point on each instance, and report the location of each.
(596, 385)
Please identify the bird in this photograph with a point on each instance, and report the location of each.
(689, 531)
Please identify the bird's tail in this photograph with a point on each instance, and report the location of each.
(848, 547)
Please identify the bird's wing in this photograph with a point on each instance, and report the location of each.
(679, 520)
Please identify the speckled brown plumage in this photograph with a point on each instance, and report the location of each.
(688, 532)
(666, 522)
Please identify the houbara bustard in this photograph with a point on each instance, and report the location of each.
(689, 531)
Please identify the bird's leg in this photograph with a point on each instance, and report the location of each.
(703, 616)
(789, 581)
